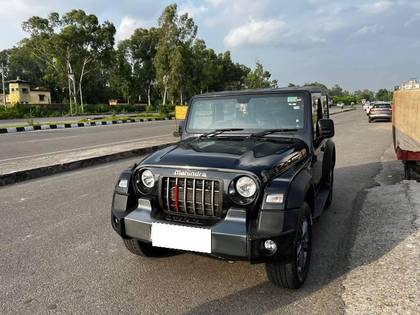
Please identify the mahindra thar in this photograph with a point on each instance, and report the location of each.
(252, 171)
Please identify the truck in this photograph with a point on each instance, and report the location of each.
(251, 173)
(406, 129)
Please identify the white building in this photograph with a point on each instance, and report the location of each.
(410, 84)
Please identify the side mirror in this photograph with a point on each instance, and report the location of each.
(180, 128)
(326, 128)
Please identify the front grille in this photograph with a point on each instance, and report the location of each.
(192, 197)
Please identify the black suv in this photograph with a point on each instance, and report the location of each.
(252, 171)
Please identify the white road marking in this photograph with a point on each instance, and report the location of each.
(81, 148)
(49, 139)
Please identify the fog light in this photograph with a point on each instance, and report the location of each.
(270, 245)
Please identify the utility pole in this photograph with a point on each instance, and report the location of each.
(2, 83)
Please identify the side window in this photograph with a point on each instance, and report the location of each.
(317, 112)
(324, 100)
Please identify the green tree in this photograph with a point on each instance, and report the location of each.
(384, 95)
(259, 78)
(336, 90)
(364, 95)
(319, 85)
(72, 46)
(143, 45)
(175, 31)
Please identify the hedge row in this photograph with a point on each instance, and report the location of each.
(56, 110)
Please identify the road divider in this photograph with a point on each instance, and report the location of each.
(334, 112)
(80, 124)
(20, 169)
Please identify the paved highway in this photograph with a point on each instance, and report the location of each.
(17, 146)
(41, 120)
(59, 252)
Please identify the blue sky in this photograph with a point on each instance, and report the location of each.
(357, 44)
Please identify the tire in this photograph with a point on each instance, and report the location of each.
(370, 120)
(407, 171)
(143, 249)
(293, 274)
(330, 182)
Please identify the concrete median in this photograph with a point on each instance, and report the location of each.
(20, 169)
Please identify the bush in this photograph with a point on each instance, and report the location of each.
(57, 110)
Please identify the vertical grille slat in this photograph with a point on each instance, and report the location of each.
(203, 193)
(192, 197)
(212, 198)
(185, 195)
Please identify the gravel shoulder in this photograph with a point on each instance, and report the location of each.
(383, 261)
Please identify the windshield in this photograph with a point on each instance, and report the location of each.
(247, 112)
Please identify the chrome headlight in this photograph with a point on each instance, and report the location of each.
(148, 179)
(246, 187)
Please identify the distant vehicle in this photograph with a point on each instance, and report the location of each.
(341, 104)
(368, 107)
(380, 111)
(406, 131)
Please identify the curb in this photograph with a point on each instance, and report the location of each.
(343, 111)
(20, 176)
(79, 125)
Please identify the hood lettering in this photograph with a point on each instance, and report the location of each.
(187, 173)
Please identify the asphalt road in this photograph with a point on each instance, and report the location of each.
(24, 121)
(59, 252)
(15, 146)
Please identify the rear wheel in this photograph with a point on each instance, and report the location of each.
(407, 170)
(293, 274)
(330, 183)
(144, 249)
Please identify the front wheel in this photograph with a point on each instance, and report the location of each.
(293, 274)
(144, 249)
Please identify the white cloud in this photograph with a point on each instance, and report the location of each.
(369, 29)
(273, 32)
(256, 33)
(192, 10)
(376, 7)
(235, 12)
(127, 26)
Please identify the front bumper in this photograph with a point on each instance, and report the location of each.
(232, 237)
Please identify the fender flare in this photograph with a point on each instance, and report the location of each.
(298, 189)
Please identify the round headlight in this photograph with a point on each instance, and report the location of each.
(246, 186)
(148, 179)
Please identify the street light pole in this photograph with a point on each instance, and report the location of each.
(2, 83)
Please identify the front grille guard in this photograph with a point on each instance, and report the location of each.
(191, 197)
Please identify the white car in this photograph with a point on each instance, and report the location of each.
(368, 106)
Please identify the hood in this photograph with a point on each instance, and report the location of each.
(262, 156)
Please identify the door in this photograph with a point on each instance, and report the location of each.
(319, 145)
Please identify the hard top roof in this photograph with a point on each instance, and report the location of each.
(311, 89)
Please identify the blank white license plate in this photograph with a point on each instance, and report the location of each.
(181, 237)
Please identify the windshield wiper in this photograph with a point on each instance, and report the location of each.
(269, 131)
(219, 131)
